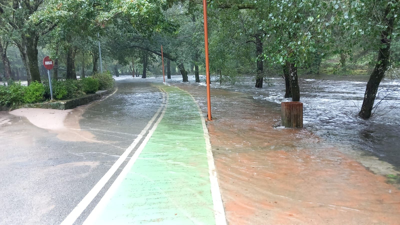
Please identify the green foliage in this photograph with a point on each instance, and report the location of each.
(90, 85)
(34, 93)
(105, 80)
(12, 95)
(67, 89)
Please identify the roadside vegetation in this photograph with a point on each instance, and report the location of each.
(15, 94)
(260, 39)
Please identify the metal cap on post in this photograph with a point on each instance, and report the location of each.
(209, 117)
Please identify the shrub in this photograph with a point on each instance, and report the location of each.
(34, 93)
(62, 90)
(90, 85)
(105, 80)
(12, 95)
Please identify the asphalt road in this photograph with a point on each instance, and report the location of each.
(43, 178)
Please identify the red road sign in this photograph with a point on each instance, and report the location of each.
(48, 63)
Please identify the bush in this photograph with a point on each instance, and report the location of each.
(90, 85)
(67, 89)
(34, 93)
(105, 80)
(12, 95)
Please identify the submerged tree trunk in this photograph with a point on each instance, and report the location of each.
(133, 68)
(286, 76)
(260, 66)
(145, 61)
(196, 67)
(71, 73)
(379, 70)
(183, 72)
(168, 69)
(116, 71)
(294, 81)
(220, 77)
(197, 73)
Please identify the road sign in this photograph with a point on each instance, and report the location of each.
(48, 63)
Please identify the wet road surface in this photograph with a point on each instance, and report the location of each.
(45, 174)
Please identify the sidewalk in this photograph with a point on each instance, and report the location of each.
(169, 183)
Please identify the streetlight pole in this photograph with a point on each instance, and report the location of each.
(207, 60)
(162, 59)
(101, 63)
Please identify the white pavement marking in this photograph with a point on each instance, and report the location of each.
(110, 192)
(219, 211)
(77, 211)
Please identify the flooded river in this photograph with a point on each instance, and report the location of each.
(335, 171)
(330, 112)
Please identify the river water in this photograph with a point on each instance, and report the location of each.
(331, 106)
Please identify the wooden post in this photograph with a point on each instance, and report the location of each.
(292, 114)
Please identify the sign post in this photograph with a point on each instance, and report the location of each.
(162, 57)
(48, 64)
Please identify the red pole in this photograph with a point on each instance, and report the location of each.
(162, 56)
(207, 60)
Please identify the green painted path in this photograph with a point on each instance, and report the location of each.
(169, 183)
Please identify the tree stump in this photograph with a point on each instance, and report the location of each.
(292, 114)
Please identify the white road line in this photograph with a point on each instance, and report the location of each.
(219, 211)
(110, 192)
(77, 211)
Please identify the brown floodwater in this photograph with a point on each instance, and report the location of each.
(271, 175)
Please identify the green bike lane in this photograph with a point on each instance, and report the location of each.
(172, 179)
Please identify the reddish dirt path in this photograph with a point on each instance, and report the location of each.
(282, 176)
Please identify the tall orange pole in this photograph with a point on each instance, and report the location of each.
(162, 57)
(207, 60)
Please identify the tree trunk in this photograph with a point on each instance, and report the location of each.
(220, 77)
(55, 69)
(292, 114)
(286, 75)
(95, 59)
(6, 62)
(379, 70)
(168, 69)
(32, 56)
(83, 66)
(294, 81)
(343, 60)
(133, 68)
(197, 73)
(71, 73)
(183, 72)
(17, 74)
(145, 58)
(260, 66)
(116, 71)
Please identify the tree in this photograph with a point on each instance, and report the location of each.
(380, 29)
